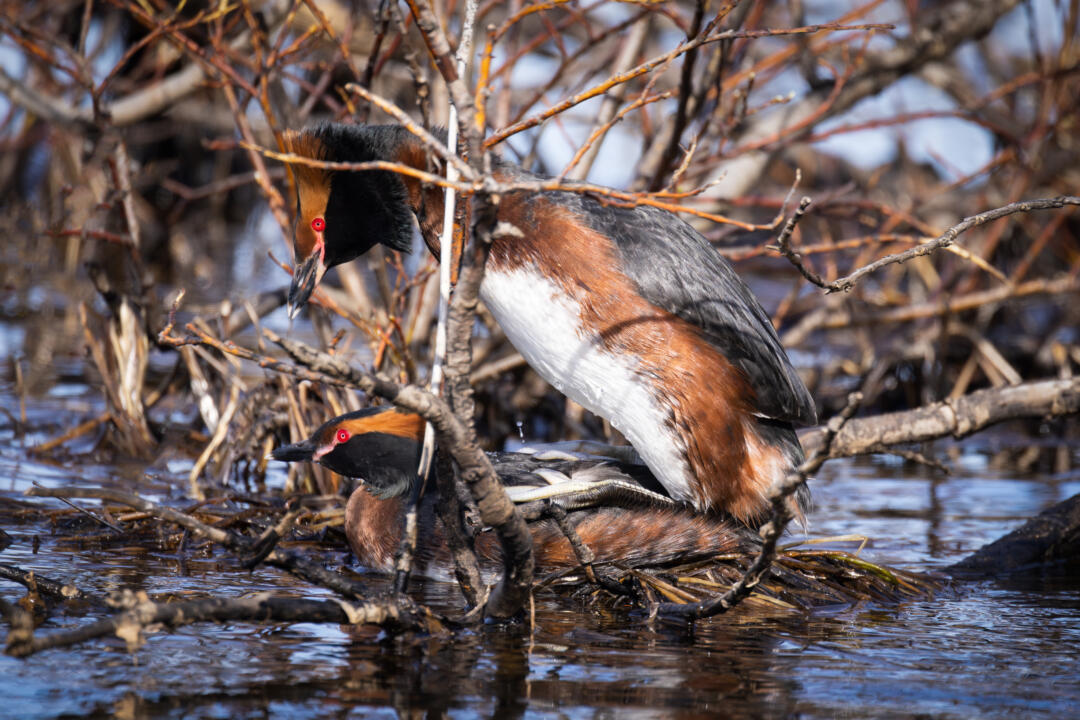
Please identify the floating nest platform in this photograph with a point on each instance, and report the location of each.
(805, 576)
(800, 579)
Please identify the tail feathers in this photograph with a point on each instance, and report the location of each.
(781, 435)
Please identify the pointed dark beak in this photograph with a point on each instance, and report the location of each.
(306, 277)
(298, 452)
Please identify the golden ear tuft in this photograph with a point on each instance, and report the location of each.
(392, 422)
(312, 185)
(305, 144)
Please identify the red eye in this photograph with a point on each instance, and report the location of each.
(318, 224)
(342, 435)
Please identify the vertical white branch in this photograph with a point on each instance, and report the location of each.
(446, 245)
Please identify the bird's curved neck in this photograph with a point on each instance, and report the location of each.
(425, 200)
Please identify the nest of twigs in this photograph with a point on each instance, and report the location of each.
(806, 575)
(800, 579)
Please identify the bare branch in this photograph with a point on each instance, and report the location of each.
(947, 238)
(829, 319)
(658, 61)
(136, 106)
(259, 608)
(956, 418)
(940, 32)
(783, 242)
(48, 108)
(34, 582)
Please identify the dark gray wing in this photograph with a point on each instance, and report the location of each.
(676, 269)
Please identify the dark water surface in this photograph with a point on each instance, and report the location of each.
(983, 650)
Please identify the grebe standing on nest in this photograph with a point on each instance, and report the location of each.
(628, 311)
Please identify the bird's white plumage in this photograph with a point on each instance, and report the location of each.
(566, 487)
(544, 323)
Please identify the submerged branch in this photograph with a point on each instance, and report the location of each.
(1051, 536)
(34, 582)
(129, 624)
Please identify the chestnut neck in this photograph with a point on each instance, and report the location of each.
(425, 200)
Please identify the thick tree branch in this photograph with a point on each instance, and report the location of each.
(1051, 536)
(513, 591)
(467, 569)
(957, 418)
(33, 581)
(495, 506)
(458, 539)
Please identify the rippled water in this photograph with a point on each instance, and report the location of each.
(982, 650)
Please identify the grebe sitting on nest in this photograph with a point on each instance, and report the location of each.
(618, 509)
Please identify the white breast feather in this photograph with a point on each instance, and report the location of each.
(545, 326)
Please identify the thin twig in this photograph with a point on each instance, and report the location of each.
(656, 62)
(948, 237)
(430, 141)
(783, 242)
(86, 512)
